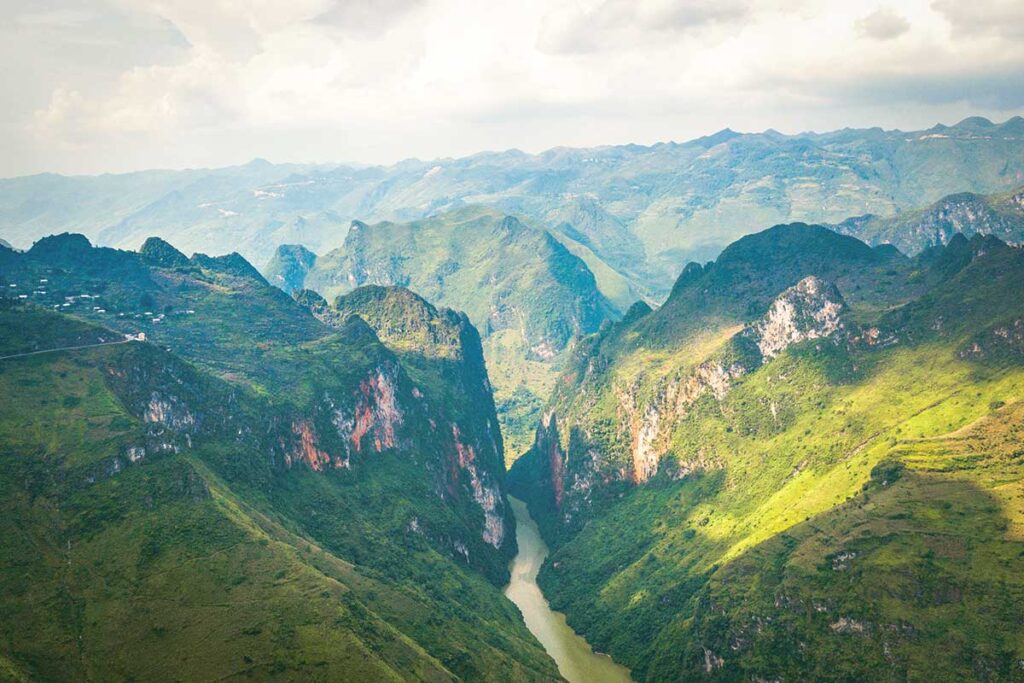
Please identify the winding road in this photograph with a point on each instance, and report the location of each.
(67, 348)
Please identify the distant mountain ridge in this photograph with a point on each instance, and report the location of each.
(966, 213)
(529, 296)
(676, 202)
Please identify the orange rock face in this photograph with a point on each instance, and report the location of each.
(307, 449)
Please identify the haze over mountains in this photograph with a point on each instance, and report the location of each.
(643, 211)
(759, 448)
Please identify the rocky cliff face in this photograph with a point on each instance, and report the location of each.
(328, 395)
(451, 390)
(650, 425)
(369, 420)
(648, 408)
(966, 213)
(810, 310)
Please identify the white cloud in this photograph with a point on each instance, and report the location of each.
(612, 25)
(211, 82)
(883, 24)
(981, 17)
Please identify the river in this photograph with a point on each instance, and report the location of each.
(576, 661)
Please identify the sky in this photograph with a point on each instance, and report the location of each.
(118, 85)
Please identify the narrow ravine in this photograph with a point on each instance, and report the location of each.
(576, 661)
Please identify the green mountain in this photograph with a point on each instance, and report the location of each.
(529, 296)
(247, 491)
(289, 267)
(642, 212)
(804, 466)
(964, 213)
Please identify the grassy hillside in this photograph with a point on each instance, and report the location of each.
(254, 494)
(847, 509)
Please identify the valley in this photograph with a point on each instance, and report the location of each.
(529, 296)
(576, 661)
(573, 341)
(308, 513)
(784, 495)
(486, 445)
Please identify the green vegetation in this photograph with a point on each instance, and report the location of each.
(641, 211)
(248, 493)
(848, 510)
(806, 464)
(527, 294)
(964, 213)
(289, 267)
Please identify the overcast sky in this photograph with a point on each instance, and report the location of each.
(113, 85)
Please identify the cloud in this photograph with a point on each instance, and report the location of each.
(984, 17)
(367, 15)
(622, 24)
(883, 24)
(120, 84)
(204, 92)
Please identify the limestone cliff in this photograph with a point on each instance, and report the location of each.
(648, 406)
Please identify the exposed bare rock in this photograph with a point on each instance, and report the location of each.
(486, 492)
(377, 416)
(170, 412)
(848, 626)
(307, 450)
(809, 310)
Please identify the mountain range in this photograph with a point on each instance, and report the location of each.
(965, 213)
(754, 453)
(643, 212)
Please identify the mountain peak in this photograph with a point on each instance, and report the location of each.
(161, 253)
(65, 247)
(512, 224)
(289, 266)
(691, 273)
(408, 322)
(1013, 125)
(975, 123)
(65, 241)
(783, 242)
(231, 264)
(721, 136)
(638, 310)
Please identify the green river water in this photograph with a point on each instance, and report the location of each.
(576, 661)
